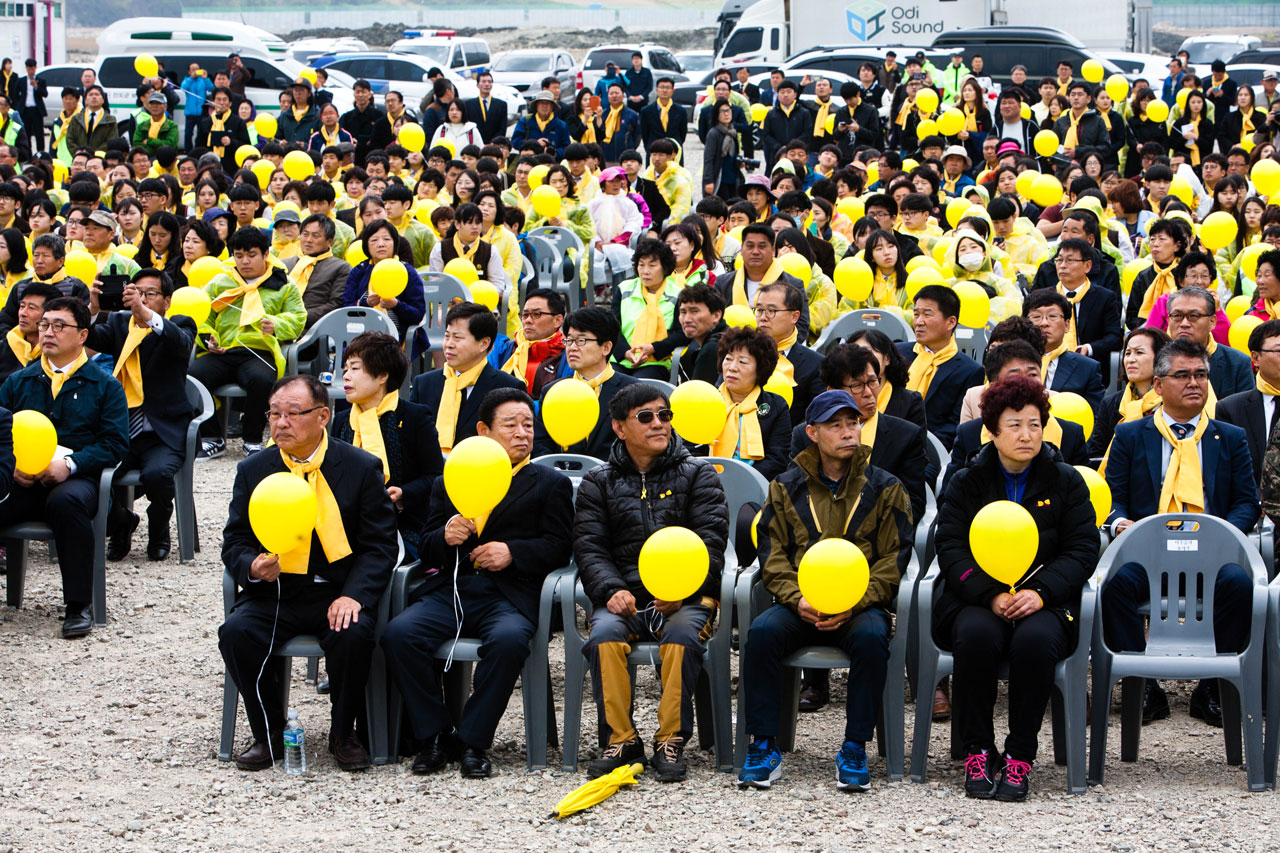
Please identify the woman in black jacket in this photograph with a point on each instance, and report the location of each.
(721, 174)
(758, 429)
(979, 618)
(1192, 134)
(1141, 130)
(1242, 122)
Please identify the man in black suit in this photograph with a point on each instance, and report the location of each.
(697, 327)
(495, 567)
(1094, 327)
(744, 86)
(489, 113)
(589, 336)
(151, 352)
(222, 131)
(664, 118)
(1254, 411)
(1062, 368)
(789, 119)
(453, 393)
(328, 587)
(777, 314)
(28, 94)
(937, 370)
(1082, 223)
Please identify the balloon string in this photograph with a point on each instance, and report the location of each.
(237, 343)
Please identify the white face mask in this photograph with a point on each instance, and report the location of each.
(971, 261)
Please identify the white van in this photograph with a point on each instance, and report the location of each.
(445, 50)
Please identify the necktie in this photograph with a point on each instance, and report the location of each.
(1183, 430)
(137, 421)
(93, 120)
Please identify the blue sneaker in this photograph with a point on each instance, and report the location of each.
(851, 768)
(763, 765)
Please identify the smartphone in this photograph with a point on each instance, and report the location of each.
(112, 296)
(595, 102)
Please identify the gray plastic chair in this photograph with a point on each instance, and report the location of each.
(1067, 704)
(972, 342)
(331, 335)
(938, 455)
(184, 499)
(572, 465)
(863, 318)
(1272, 746)
(439, 290)
(743, 484)
(753, 599)
(1180, 640)
(661, 383)
(308, 646)
(675, 364)
(227, 393)
(16, 538)
(535, 678)
(567, 266)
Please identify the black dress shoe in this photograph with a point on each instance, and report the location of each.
(814, 692)
(1204, 703)
(476, 764)
(78, 622)
(158, 543)
(348, 752)
(1155, 705)
(122, 537)
(258, 756)
(437, 752)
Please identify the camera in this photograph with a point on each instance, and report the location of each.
(749, 164)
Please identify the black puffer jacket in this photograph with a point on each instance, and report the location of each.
(619, 508)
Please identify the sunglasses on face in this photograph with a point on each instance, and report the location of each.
(646, 416)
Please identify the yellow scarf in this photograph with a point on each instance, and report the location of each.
(154, 127)
(1246, 124)
(518, 363)
(740, 281)
(367, 434)
(1051, 433)
(752, 443)
(869, 430)
(451, 400)
(217, 124)
(1072, 139)
(925, 367)
(1163, 283)
(663, 111)
(612, 122)
(649, 326)
(785, 368)
(1266, 387)
(286, 249)
(589, 135)
(329, 527)
(884, 290)
(24, 351)
(1183, 486)
(299, 113)
(882, 399)
(129, 364)
(1075, 298)
(58, 378)
(463, 252)
(1272, 308)
(820, 120)
(1062, 87)
(515, 469)
(328, 139)
(970, 118)
(302, 270)
(53, 279)
(66, 125)
(1194, 147)
(595, 384)
(1106, 118)
(1132, 407)
(251, 311)
(1048, 358)
(907, 106)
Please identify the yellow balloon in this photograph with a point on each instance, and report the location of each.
(1046, 190)
(795, 264)
(1237, 307)
(1069, 406)
(739, 317)
(833, 575)
(244, 152)
(1218, 230)
(389, 278)
(873, 172)
(1248, 144)
(1024, 181)
(758, 112)
(909, 164)
(852, 206)
(192, 301)
(80, 264)
(538, 174)
(922, 277)
(699, 411)
(1241, 330)
(484, 293)
(1265, 175)
(263, 170)
(975, 305)
(853, 278)
(1045, 143)
(755, 522)
(921, 261)
(34, 441)
(1117, 87)
(1180, 188)
(308, 74)
(1131, 270)
(1249, 259)
(146, 65)
(202, 270)
(926, 127)
(950, 122)
(412, 136)
(355, 253)
(956, 209)
(1004, 540)
(447, 145)
(1092, 71)
(266, 125)
(940, 250)
(298, 165)
(1099, 493)
(927, 100)
(831, 124)
(570, 411)
(1157, 110)
(736, 233)
(1181, 98)
(779, 385)
(463, 270)
(282, 512)
(673, 563)
(477, 475)
(128, 250)
(545, 201)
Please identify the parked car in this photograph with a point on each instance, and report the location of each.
(304, 49)
(689, 93)
(1250, 74)
(693, 61)
(1203, 50)
(57, 78)
(444, 50)
(407, 74)
(660, 60)
(524, 70)
(1143, 66)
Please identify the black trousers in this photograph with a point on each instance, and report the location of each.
(980, 642)
(253, 370)
(246, 638)
(158, 464)
(33, 126)
(411, 640)
(68, 508)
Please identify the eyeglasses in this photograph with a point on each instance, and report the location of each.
(858, 387)
(56, 325)
(1188, 375)
(646, 416)
(272, 417)
(1045, 318)
(533, 315)
(580, 342)
(149, 294)
(1190, 316)
(766, 312)
(1061, 261)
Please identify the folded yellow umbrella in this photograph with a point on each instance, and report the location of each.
(597, 790)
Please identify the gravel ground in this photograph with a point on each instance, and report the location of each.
(109, 743)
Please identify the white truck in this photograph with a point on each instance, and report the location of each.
(768, 32)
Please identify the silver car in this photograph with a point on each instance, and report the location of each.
(524, 71)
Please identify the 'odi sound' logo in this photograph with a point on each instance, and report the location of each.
(865, 19)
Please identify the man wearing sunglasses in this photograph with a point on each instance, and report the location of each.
(649, 482)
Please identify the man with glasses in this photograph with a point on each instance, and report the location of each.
(649, 482)
(1094, 327)
(319, 275)
(1192, 314)
(589, 336)
(1063, 367)
(89, 412)
(533, 355)
(454, 392)
(151, 354)
(328, 587)
(154, 195)
(777, 312)
(1204, 467)
(48, 257)
(760, 267)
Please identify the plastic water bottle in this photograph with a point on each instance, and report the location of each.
(295, 752)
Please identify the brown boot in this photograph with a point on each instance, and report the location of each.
(942, 702)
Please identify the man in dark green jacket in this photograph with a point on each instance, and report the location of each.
(157, 129)
(88, 409)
